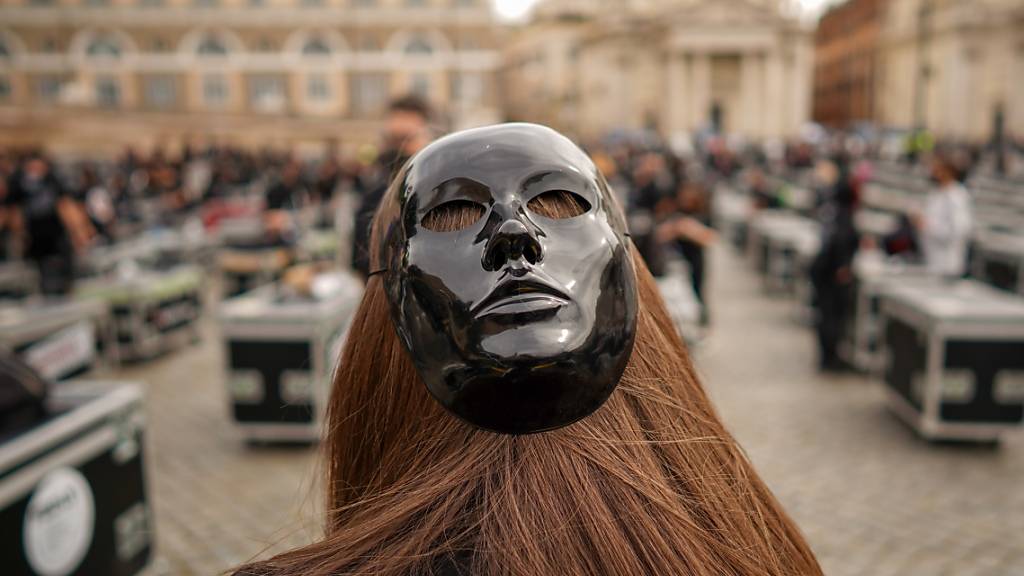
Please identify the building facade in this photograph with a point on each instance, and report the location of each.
(91, 75)
(954, 67)
(846, 63)
(541, 69)
(675, 66)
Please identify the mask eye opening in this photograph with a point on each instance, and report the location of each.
(452, 216)
(558, 204)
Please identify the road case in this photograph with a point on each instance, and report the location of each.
(731, 211)
(875, 224)
(188, 245)
(58, 338)
(103, 260)
(954, 359)
(245, 268)
(72, 489)
(281, 353)
(683, 306)
(247, 259)
(319, 245)
(17, 280)
(873, 274)
(783, 244)
(998, 259)
(151, 310)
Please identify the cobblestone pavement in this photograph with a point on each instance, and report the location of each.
(217, 501)
(872, 498)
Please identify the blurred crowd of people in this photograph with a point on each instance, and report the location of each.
(51, 213)
(669, 196)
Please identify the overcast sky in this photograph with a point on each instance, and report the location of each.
(513, 9)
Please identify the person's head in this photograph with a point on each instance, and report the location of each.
(406, 125)
(691, 197)
(36, 165)
(943, 169)
(291, 172)
(648, 166)
(649, 483)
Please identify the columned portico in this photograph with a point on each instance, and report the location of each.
(742, 85)
(737, 66)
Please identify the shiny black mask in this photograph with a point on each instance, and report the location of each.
(517, 322)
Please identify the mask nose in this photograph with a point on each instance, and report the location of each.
(511, 242)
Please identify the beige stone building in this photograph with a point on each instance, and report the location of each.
(94, 75)
(955, 67)
(677, 66)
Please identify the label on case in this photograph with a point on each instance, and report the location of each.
(1009, 387)
(59, 523)
(246, 386)
(296, 387)
(63, 352)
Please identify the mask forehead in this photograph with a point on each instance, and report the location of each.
(496, 157)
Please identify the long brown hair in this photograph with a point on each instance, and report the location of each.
(651, 483)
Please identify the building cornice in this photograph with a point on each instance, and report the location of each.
(475, 60)
(268, 16)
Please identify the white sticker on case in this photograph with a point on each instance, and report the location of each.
(59, 523)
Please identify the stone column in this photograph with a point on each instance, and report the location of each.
(802, 84)
(700, 102)
(752, 93)
(678, 93)
(773, 101)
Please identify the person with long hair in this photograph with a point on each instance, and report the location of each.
(513, 398)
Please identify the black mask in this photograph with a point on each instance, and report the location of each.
(517, 323)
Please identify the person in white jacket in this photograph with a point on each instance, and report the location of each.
(945, 225)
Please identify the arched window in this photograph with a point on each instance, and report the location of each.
(419, 46)
(103, 47)
(316, 46)
(211, 46)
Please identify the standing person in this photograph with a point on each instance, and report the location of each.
(518, 401)
(651, 196)
(328, 176)
(406, 131)
(98, 203)
(945, 226)
(832, 272)
(285, 195)
(690, 229)
(55, 225)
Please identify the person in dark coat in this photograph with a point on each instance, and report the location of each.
(832, 272)
(55, 225)
(689, 230)
(406, 132)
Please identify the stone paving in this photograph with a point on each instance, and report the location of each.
(873, 499)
